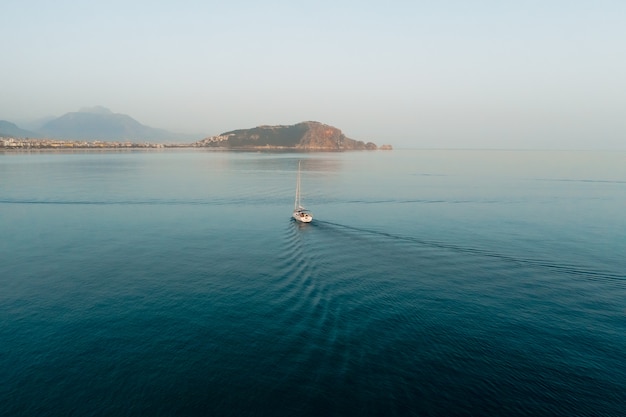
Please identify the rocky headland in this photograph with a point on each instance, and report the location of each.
(309, 136)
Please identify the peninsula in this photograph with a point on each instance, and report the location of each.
(309, 136)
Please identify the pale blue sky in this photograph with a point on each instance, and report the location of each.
(443, 74)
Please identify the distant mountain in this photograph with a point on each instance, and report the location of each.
(9, 129)
(304, 136)
(99, 123)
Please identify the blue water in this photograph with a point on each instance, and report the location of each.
(431, 283)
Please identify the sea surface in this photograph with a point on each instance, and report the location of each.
(430, 283)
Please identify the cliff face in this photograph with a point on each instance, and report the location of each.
(304, 136)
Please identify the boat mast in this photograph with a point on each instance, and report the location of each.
(297, 202)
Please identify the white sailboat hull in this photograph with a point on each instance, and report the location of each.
(302, 216)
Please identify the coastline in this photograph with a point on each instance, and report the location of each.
(18, 144)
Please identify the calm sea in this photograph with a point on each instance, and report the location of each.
(431, 283)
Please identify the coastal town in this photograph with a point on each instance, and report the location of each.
(31, 143)
(28, 143)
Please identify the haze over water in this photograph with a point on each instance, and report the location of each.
(430, 283)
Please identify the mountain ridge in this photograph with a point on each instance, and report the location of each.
(100, 123)
(11, 129)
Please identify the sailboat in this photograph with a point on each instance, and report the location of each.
(300, 213)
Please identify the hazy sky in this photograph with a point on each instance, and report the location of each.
(445, 74)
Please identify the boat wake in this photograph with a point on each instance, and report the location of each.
(580, 271)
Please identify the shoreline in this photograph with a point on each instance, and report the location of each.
(30, 144)
(48, 145)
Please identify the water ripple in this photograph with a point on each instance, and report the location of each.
(619, 279)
